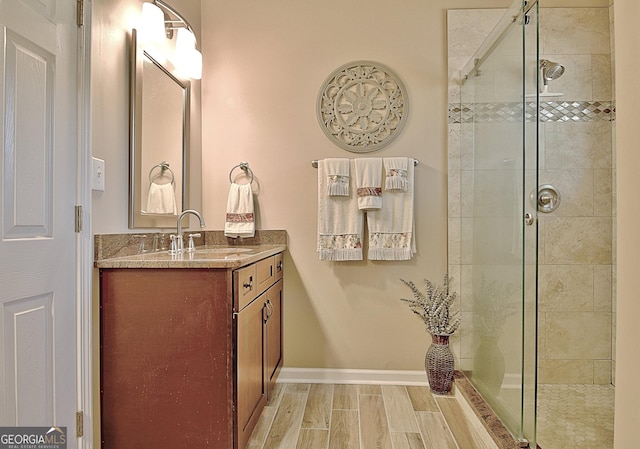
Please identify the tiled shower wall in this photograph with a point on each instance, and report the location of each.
(576, 259)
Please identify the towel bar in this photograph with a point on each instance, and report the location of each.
(314, 163)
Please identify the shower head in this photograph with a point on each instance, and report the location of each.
(550, 70)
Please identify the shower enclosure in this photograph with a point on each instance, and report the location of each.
(531, 217)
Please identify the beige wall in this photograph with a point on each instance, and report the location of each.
(627, 16)
(265, 64)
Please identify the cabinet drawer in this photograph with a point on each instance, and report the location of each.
(245, 286)
(266, 273)
(279, 266)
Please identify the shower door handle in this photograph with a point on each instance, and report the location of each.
(528, 219)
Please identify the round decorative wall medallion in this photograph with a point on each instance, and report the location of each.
(362, 106)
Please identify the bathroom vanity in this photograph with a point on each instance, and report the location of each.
(190, 346)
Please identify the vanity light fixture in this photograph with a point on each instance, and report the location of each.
(159, 21)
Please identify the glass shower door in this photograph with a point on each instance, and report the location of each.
(499, 227)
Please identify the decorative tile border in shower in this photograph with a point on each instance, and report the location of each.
(550, 111)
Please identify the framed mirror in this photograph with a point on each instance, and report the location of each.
(159, 142)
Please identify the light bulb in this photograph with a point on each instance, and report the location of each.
(195, 64)
(152, 27)
(185, 40)
(186, 57)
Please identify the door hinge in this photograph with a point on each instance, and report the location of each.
(80, 13)
(78, 219)
(79, 424)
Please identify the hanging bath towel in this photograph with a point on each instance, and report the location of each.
(161, 199)
(395, 169)
(369, 182)
(239, 220)
(339, 223)
(337, 176)
(391, 228)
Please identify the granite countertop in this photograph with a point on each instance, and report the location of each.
(210, 256)
(213, 250)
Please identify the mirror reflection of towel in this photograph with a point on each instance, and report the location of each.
(161, 199)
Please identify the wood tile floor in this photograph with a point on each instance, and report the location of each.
(327, 416)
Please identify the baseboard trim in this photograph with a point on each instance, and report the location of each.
(352, 376)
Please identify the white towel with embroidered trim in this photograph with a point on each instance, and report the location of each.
(240, 220)
(395, 169)
(340, 223)
(337, 176)
(391, 228)
(161, 199)
(369, 182)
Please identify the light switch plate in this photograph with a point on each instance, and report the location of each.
(97, 174)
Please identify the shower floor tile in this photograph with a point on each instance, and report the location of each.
(575, 416)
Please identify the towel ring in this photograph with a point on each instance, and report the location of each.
(244, 166)
(164, 166)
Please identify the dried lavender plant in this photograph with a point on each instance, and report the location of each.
(433, 306)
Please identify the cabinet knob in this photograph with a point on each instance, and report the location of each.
(249, 284)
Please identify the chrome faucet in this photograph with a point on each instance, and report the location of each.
(178, 238)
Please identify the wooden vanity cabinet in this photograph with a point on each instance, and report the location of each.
(259, 346)
(166, 358)
(187, 354)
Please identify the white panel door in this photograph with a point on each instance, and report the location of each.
(38, 186)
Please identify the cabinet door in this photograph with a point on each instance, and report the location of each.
(251, 387)
(274, 333)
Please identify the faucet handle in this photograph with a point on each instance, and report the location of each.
(142, 248)
(191, 247)
(174, 244)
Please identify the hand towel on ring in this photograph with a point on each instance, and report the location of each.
(240, 220)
